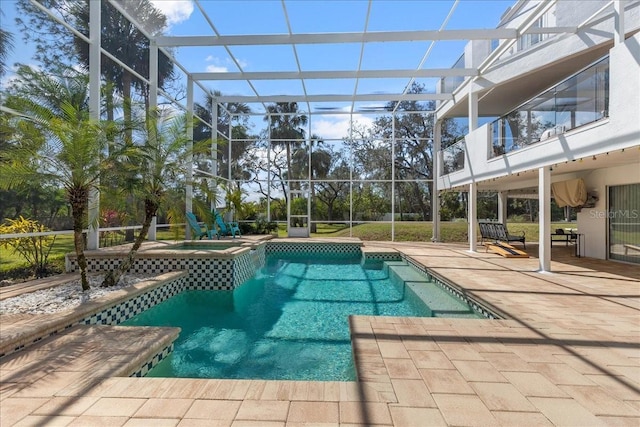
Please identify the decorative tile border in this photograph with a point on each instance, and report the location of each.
(245, 266)
(381, 256)
(126, 310)
(301, 248)
(144, 370)
(208, 272)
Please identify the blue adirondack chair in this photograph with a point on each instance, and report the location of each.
(225, 228)
(198, 230)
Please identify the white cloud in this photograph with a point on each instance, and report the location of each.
(242, 63)
(216, 69)
(176, 11)
(221, 65)
(338, 128)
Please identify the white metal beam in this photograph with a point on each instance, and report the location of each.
(382, 97)
(93, 235)
(428, 52)
(330, 38)
(361, 56)
(189, 171)
(338, 74)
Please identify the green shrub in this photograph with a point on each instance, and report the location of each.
(263, 226)
(35, 249)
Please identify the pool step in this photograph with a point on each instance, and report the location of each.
(405, 272)
(440, 303)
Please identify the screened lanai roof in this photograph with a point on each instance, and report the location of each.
(329, 56)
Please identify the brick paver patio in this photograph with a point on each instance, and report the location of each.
(568, 353)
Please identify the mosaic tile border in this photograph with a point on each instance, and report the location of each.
(381, 256)
(477, 306)
(125, 310)
(207, 273)
(213, 273)
(144, 370)
(300, 248)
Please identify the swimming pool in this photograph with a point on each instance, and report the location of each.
(290, 321)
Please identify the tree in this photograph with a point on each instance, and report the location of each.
(126, 42)
(57, 140)
(6, 44)
(272, 166)
(56, 45)
(158, 162)
(334, 192)
(286, 126)
(414, 154)
(242, 141)
(318, 162)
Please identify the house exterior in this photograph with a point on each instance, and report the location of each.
(560, 103)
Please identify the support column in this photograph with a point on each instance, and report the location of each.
(269, 174)
(472, 214)
(618, 6)
(473, 108)
(189, 171)
(93, 236)
(473, 194)
(393, 177)
(503, 201)
(214, 151)
(153, 111)
(435, 197)
(544, 219)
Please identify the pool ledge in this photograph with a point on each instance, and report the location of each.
(24, 332)
(78, 358)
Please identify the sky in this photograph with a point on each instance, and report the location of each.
(263, 17)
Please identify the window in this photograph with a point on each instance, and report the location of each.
(528, 40)
(624, 223)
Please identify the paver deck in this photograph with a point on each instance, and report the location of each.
(568, 354)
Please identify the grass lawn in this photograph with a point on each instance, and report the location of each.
(416, 231)
(404, 232)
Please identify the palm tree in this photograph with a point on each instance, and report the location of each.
(239, 133)
(56, 45)
(6, 44)
(55, 139)
(158, 162)
(286, 128)
(127, 43)
(123, 39)
(321, 160)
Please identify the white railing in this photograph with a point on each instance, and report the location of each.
(63, 232)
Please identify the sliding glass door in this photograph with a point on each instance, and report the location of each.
(624, 223)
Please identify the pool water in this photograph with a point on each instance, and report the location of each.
(290, 321)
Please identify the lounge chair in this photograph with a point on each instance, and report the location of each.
(198, 230)
(225, 228)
